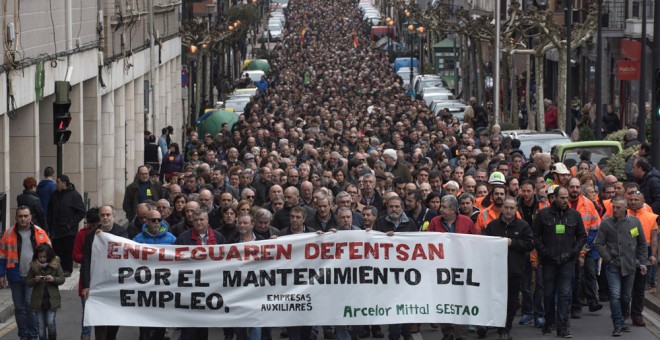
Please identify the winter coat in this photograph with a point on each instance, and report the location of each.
(39, 288)
(65, 211)
(522, 241)
(45, 190)
(621, 244)
(31, 200)
(163, 237)
(11, 247)
(384, 224)
(131, 197)
(558, 235)
(650, 188)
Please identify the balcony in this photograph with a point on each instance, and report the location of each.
(634, 28)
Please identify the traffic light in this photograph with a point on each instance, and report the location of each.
(656, 92)
(61, 121)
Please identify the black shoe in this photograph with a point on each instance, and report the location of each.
(284, 334)
(564, 333)
(329, 335)
(378, 334)
(547, 329)
(575, 315)
(596, 307)
(365, 332)
(625, 328)
(481, 332)
(504, 334)
(617, 332)
(603, 298)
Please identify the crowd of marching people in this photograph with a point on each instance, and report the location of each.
(334, 143)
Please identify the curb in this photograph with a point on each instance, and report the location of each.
(7, 304)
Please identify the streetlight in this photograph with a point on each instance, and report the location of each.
(421, 30)
(411, 33)
(390, 33)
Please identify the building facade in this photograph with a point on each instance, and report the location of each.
(122, 83)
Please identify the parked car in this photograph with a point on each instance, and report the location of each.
(237, 104)
(426, 81)
(404, 73)
(255, 75)
(530, 138)
(601, 151)
(430, 97)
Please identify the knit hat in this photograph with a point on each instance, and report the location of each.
(391, 153)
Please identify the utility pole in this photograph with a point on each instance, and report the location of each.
(599, 73)
(641, 112)
(655, 136)
(568, 12)
(496, 94)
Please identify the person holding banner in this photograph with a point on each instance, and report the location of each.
(396, 220)
(521, 240)
(108, 225)
(201, 234)
(17, 248)
(245, 233)
(559, 235)
(450, 221)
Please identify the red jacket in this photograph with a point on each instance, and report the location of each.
(77, 253)
(551, 118)
(463, 224)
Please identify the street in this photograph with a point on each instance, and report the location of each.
(591, 326)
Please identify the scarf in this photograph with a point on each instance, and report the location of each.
(197, 240)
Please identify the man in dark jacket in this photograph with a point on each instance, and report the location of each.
(519, 236)
(396, 219)
(649, 183)
(140, 190)
(201, 234)
(65, 211)
(107, 225)
(30, 199)
(558, 236)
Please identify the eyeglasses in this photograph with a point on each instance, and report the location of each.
(636, 192)
(155, 219)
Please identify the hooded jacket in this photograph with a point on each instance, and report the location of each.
(650, 188)
(65, 211)
(163, 236)
(55, 270)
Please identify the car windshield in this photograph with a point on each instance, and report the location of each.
(599, 155)
(545, 143)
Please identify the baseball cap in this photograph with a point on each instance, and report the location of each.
(496, 178)
(561, 169)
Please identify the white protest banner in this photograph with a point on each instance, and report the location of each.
(343, 278)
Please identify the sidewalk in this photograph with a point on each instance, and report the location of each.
(7, 305)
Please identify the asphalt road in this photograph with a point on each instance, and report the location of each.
(591, 326)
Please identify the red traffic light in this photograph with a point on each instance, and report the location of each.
(61, 121)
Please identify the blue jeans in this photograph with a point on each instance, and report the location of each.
(26, 321)
(532, 297)
(85, 330)
(620, 294)
(557, 279)
(46, 321)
